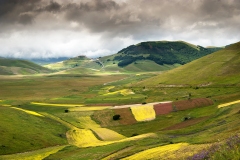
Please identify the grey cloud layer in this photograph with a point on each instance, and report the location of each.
(137, 19)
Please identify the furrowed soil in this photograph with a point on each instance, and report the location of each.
(163, 108)
(192, 103)
(126, 116)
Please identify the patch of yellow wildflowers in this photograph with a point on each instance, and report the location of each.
(107, 134)
(57, 105)
(156, 153)
(143, 113)
(228, 104)
(33, 155)
(29, 112)
(123, 92)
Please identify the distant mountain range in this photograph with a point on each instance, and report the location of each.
(143, 57)
(44, 61)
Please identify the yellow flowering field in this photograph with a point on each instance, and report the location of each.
(57, 105)
(33, 155)
(143, 113)
(156, 153)
(86, 122)
(123, 92)
(105, 90)
(107, 134)
(29, 112)
(6, 105)
(228, 104)
(142, 136)
(82, 137)
(95, 108)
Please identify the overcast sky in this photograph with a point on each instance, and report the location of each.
(68, 28)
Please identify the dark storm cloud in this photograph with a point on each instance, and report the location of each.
(25, 18)
(116, 23)
(127, 17)
(53, 7)
(12, 11)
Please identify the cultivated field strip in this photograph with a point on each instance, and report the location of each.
(156, 153)
(57, 105)
(107, 134)
(135, 105)
(143, 113)
(228, 104)
(88, 108)
(28, 111)
(123, 92)
(33, 155)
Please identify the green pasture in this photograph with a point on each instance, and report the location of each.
(21, 132)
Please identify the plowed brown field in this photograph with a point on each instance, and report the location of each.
(192, 103)
(126, 116)
(163, 108)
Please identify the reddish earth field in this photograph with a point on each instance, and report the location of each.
(186, 123)
(192, 103)
(163, 108)
(126, 116)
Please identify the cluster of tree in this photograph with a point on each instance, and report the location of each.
(126, 60)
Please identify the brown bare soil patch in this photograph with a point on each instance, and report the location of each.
(126, 116)
(105, 118)
(186, 123)
(163, 108)
(192, 103)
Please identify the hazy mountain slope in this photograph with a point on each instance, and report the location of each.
(221, 67)
(80, 61)
(15, 66)
(45, 61)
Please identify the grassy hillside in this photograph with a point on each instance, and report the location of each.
(15, 66)
(162, 52)
(23, 131)
(221, 67)
(156, 56)
(143, 57)
(80, 61)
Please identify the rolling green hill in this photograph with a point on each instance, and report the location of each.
(156, 56)
(23, 67)
(221, 67)
(143, 57)
(80, 61)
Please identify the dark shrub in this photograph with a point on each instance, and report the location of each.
(134, 134)
(66, 110)
(116, 117)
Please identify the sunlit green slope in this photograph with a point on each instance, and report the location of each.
(221, 67)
